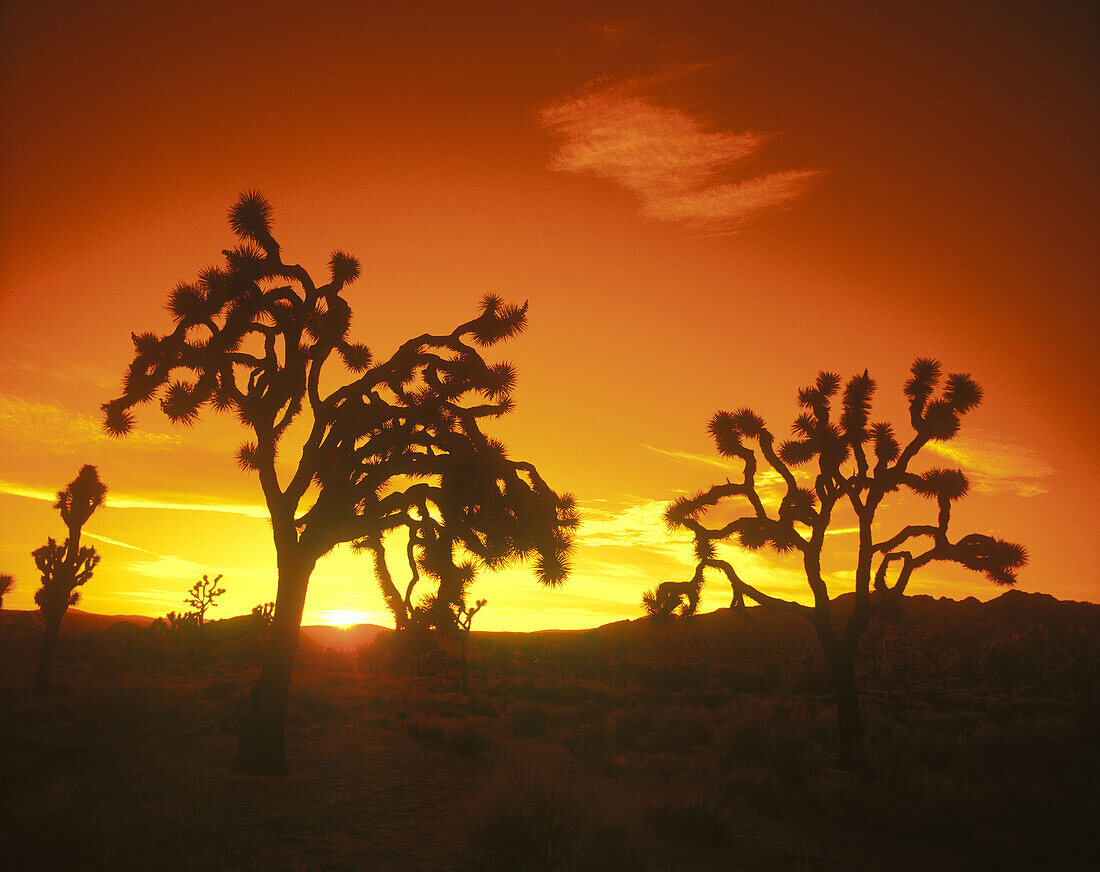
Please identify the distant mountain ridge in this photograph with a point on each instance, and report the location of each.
(1014, 607)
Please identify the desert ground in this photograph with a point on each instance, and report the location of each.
(702, 743)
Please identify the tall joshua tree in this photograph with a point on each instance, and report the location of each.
(398, 447)
(65, 567)
(856, 462)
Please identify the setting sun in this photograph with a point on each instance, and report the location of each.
(345, 618)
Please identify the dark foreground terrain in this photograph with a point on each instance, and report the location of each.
(704, 744)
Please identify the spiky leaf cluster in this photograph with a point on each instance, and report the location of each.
(939, 417)
(63, 570)
(947, 484)
(83, 495)
(997, 558)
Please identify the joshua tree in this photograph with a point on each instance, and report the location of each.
(262, 615)
(65, 567)
(464, 619)
(662, 602)
(442, 611)
(203, 595)
(397, 447)
(6, 582)
(855, 462)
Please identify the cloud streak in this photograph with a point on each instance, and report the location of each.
(129, 501)
(996, 467)
(52, 428)
(691, 457)
(680, 169)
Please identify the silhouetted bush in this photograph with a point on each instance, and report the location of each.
(627, 726)
(530, 718)
(538, 827)
(460, 736)
(680, 730)
(690, 823)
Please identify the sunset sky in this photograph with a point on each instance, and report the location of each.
(704, 204)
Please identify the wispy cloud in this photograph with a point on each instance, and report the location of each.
(108, 540)
(722, 463)
(51, 428)
(153, 596)
(638, 524)
(994, 466)
(166, 566)
(57, 370)
(681, 169)
(130, 501)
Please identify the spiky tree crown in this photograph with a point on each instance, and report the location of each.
(81, 497)
(399, 446)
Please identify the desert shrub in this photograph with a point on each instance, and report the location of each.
(784, 738)
(673, 677)
(808, 677)
(425, 730)
(316, 702)
(679, 729)
(767, 792)
(122, 706)
(468, 740)
(572, 694)
(711, 698)
(591, 711)
(529, 718)
(686, 823)
(479, 705)
(537, 826)
(626, 727)
(592, 745)
(221, 689)
(462, 737)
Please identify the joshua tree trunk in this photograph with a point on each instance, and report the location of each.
(849, 720)
(261, 749)
(462, 651)
(46, 652)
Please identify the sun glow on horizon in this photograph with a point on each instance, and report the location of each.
(345, 618)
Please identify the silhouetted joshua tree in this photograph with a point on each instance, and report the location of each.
(65, 567)
(202, 596)
(662, 602)
(464, 619)
(6, 582)
(262, 615)
(398, 447)
(855, 462)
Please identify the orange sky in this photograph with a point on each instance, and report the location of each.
(705, 204)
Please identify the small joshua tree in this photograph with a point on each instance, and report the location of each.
(858, 463)
(262, 613)
(202, 596)
(464, 618)
(398, 446)
(6, 582)
(661, 603)
(67, 566)
(441, 613)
